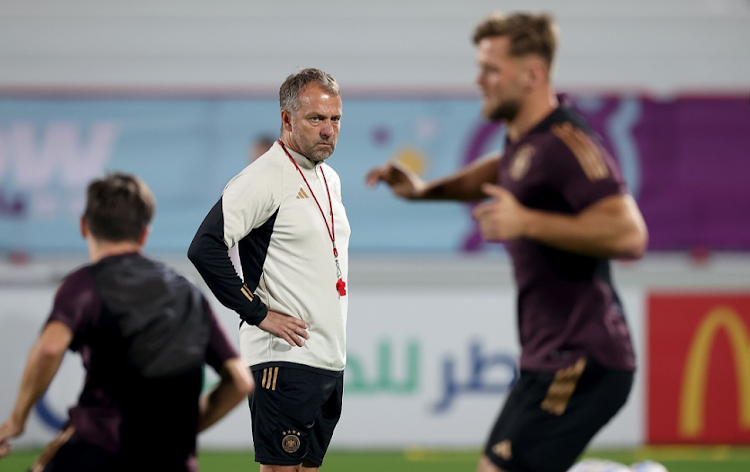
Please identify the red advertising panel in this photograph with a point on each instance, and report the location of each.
(699, 368)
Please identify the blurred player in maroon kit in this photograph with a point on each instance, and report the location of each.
(560, 205)
(260, 145)
(144, 333)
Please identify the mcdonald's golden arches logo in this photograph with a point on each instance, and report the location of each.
(693, 396)
(698, 372)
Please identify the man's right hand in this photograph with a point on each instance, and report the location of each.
(8, 431)
(289, 328)
(403, 182)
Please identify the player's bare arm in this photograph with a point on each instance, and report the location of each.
(290, 329)
(464, 185)
(611, 227)
(44, 360)
(403, 182)
(235, 385)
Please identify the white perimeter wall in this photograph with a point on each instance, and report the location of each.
(409, 319)
(660, 46)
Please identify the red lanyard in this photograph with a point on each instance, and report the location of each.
(340, 284)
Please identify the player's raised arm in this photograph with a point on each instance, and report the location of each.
(463, 185)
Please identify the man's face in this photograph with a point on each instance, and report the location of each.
(315, 125)
(499, 79)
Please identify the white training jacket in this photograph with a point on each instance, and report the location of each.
(286, 254)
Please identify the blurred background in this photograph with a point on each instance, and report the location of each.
(179, 92)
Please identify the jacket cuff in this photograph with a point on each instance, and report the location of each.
(255, 313)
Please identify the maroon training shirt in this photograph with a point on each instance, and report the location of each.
(567, 305)
(144, 333)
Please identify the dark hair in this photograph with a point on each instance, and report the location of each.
(529, 33)
(119, 207)
(295, 83)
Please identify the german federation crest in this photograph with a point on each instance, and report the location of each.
(521, 161)
(291, 441)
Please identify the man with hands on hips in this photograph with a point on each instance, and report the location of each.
(285, 216)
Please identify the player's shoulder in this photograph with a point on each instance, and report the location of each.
(261, 176)
(568, 135)
(77, 297)
(76, 280)
(548, 132)
(142, 269)
(173, 279)
(265, 167)
(171, 274)
(274, 158)
(77, 274)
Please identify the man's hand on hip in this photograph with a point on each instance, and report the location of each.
(289, 328)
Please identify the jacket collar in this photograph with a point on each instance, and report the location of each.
(302, 161)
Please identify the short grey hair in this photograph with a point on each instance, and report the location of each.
(295, 83)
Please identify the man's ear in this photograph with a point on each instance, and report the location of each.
(535, 73)
(84, 228)
(286, 120)
(144, 236)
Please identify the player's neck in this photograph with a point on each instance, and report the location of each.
(286, 138)
(537, 108)
(98, 250)
(289, 145)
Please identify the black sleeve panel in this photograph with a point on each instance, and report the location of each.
(209, 255)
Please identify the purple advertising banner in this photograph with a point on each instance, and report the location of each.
(694, 156)
(686, 160)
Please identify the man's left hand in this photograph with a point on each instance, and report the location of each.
(501, 219)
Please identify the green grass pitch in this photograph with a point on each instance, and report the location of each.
(675, 458)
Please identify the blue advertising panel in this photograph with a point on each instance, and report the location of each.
(688, 178)
(187, 149)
